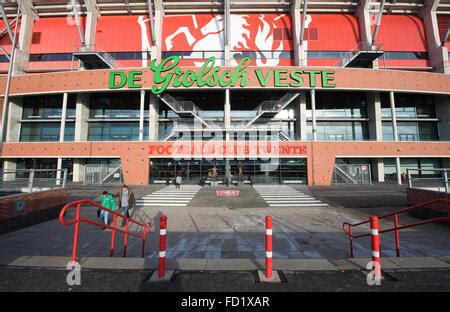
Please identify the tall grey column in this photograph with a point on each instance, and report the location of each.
(302, 118)
(438, 55)
(61, 135)
(374, 114)
(141, 116)
(227, 125)
(13, 124)
(394, 115)
(398, 169)
(9, 165)
(81, 117)
(313, 114)
(79, 166)
(153, 114)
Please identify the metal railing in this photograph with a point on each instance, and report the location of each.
(348, 227)
(437, 179)
(91, 48)
(352, 173)
(78, 219)
(32, 180)
(360, 47)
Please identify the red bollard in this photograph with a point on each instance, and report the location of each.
(268, 246)
(162, 246)
(375, 247)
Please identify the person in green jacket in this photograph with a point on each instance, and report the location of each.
(108, 202)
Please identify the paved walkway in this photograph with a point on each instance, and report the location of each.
(169, 197)
(212, 227)
(284, 196)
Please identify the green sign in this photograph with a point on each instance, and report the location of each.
(169, 74)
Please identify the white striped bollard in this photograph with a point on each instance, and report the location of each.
(376, 259)
(268, 246)
(162, 246)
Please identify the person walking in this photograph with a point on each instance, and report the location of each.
(109, 203)
(127, 201)
(178, 181)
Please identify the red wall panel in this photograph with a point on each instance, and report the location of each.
(402, 33)
(55, 35)
(443, 21)
(123, 33)
(331, 32)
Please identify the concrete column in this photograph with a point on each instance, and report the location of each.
(374, 114)
(398, 169)
(302, 119)
(81, 117)
(443, 113)
(58, 173)
(78, 169)
(438, 55)
(365, 25)
(227, 113)
(13, 120)
(377, 165)
(153, 123)
(159, 15)
(313, 114)
(91, 27)
(394, 115)
(63, 117)
(25, 37)
(296, 26)
(9, 164)
(141, 116)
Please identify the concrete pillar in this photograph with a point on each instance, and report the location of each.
(296, 26)
(141, 116)
(91, 27)
(394, 115)
(377, 165)
(13, 119)
(227, 113)
(10, 165)
(362, 13)
(443, 113)
(438, 55)
(398, 169)
(25, 37)
(153, 123)
(63, 117)
(302, 120)
(58, 173)
(79, 165)
(159, 15)
(81, 117)
(313, 114)
(374, 114)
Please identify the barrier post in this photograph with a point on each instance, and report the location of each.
(375, 246)
(162, 246)
(397, 235)
(113, 236)
(125, 238)
(350, 233)
(268, 247)
(75, 233)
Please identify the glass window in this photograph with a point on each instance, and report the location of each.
(325, 54)
(46, 132)
(115, 106)
(115, 131)
(340, 131)
(47, 107)
(406, 55)
(132, 55)
(409, 106)
(51, 57)
(339, 104)
(411, 131)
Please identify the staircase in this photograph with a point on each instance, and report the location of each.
(95, 58)
(184, 109)
(362, 55)
(269, 108)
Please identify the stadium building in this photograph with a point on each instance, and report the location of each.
(277, 91)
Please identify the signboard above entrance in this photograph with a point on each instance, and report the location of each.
(168, 74)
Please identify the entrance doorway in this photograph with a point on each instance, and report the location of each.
(281, 171)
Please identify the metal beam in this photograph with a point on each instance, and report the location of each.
(27, 8)
(151, 21)
(302, 31)
(77, 21)
(92, 6)
(3, 125)
(5, 20)
(447, 33)
(377, 25)
(227, 18)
